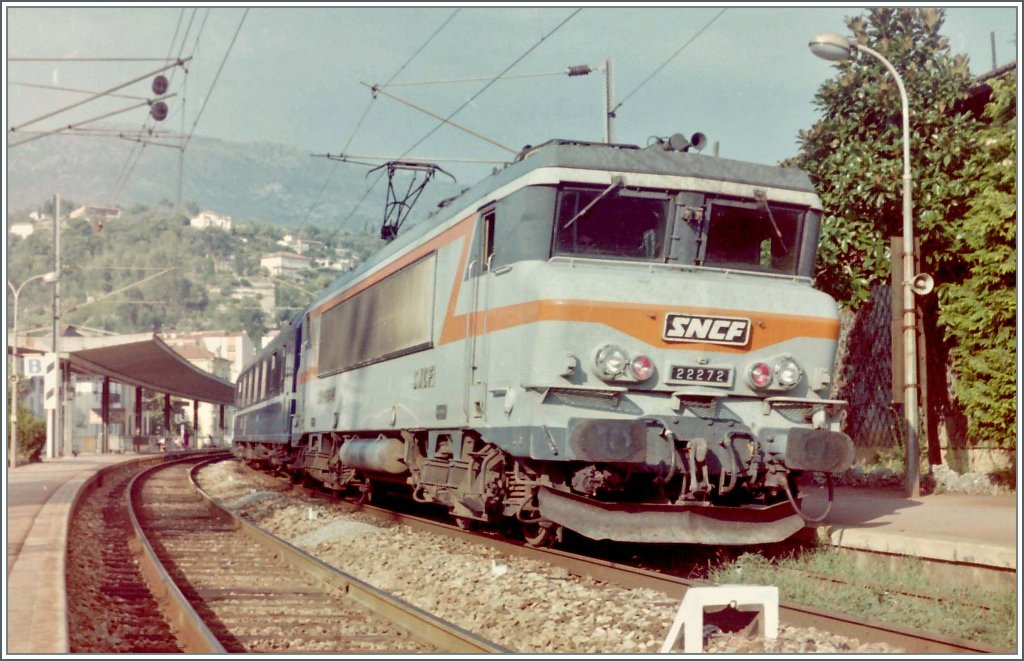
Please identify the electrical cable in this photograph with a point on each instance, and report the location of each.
(828, 506)
(665, 63)
(136, 151)
(215, 78)
(76, 91)
(456, 111)
(330, 175)
(492, 81)
(89, 59)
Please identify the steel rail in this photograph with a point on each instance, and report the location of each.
(419, 623)
(914, 641)
(192, 633)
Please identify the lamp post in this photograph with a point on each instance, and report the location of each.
(46, 277)
(835, 47)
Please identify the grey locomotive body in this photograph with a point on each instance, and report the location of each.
(619, 341)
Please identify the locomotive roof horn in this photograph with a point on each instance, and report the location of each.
(679, 142)
(397, 210)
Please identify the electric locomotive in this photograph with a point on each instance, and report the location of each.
(620, 341)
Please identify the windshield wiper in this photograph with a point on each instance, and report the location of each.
(762, 199)
(616, 183)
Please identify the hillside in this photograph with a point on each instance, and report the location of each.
(150, 271)
(265, 182)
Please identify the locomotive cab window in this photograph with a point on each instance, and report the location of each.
(753, 236)
(611, 223)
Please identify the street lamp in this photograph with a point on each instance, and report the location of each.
(834, 47)
(49, 278)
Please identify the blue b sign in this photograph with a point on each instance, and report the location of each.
(33, 367)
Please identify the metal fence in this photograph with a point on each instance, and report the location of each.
(863, 374)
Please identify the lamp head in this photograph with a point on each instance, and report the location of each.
(831, 46)
(51, 277)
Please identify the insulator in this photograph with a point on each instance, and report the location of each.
(160, 85)
(579, 70)
(158, 111)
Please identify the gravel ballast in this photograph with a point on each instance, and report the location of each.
(522, 604)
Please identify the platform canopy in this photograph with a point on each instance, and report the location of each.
(143, 359)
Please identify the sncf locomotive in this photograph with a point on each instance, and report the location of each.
(620, 341)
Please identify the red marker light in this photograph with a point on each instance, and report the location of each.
(760, 375)
(642, 368)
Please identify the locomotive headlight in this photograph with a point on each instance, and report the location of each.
(787, 372)
(642, 368)
(611, 361)
(759, 375)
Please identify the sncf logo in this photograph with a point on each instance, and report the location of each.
(734, 331)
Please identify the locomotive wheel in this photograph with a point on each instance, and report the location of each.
(541, 533)
(537, 531)
(465, 523)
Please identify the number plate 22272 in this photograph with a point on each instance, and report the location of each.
(712, 376)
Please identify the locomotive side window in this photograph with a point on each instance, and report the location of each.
(753, 237)
(617, 225)
(488, 238)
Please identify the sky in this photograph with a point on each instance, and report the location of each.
(740, 74)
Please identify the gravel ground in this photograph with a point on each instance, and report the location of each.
(524, 605)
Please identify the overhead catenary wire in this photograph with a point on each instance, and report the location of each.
(493, 80)
(121, 289)
(73, 90)
(366, 110)
(123, 136)
(90, 59)
(377, 90)
(457, 110)
(97, 95)
(666, 62)
(87, 121)
(136, 153)
(215, 79)
(363, 118)
(451, 81)
(352, 158)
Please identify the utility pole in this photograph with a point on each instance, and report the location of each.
(58, 410)
(181, 154)
(609, 101)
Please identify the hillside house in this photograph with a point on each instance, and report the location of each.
(339, 264)
(89, 212)
(299, 245)
(283, 263)
(210, 219)
(22, 228)
(234, 347)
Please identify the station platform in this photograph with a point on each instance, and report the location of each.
(39, 499)
(947, 527)
(982, 530)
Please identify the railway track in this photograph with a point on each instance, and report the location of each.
(256, 593)
(627, 576)
(174, 574)
(912, 641)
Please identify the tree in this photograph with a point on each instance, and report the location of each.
(963, 195)
(979, 314)
(854, 153)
